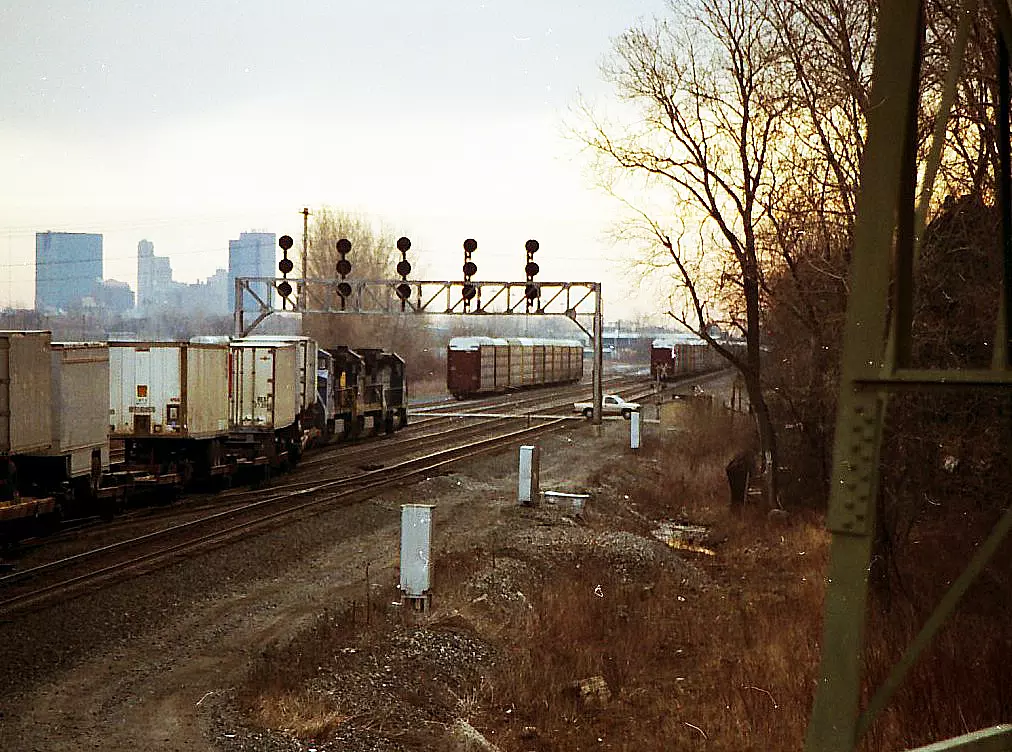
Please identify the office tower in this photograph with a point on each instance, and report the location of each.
(252, 255)
(68, 266)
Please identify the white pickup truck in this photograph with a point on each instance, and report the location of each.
(611, 404)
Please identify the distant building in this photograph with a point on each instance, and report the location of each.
(209, 296)
(154, 277)
(68, 266)
(215, 290)
(156, 290)
(252, 255)
(114, 296)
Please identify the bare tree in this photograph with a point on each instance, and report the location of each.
(373, 250)
(707, 85)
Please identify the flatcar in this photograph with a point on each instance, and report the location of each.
(488, 365)
(680, 355)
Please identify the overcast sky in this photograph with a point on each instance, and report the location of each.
(186, 123)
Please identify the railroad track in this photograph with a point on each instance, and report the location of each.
(72, 576)
(342, 458)
(363, 470)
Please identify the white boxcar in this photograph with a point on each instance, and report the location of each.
(265, 382)
(172, 389)
(306, 348)
(25, 392)
(80, 412)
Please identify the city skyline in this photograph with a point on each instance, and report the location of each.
(440, 122)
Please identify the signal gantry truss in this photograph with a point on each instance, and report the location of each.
(578, 301)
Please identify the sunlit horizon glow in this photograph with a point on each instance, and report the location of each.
(441, 123)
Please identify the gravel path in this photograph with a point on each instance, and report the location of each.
(153, 663)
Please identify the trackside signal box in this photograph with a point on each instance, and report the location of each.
(530, 471)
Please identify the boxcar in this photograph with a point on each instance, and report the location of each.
(680, 355)
(488, 365)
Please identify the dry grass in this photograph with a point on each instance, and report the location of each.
(730, 667)
(275, 694)
(303, 714)
(729, 664)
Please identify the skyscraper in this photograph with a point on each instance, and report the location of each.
(154, 277)
(252, 255)
(68, 266)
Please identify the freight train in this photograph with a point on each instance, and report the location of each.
(206, 409)
(680, 355)
(488, 365)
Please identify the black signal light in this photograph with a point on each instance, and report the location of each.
(469, 291)
(343, 269)
(285, 266)
(403, 290)
(532, 291)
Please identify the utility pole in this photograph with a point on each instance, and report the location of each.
(305, 255)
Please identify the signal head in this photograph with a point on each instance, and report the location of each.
(532, 269)
(343, 246)
(343, 267)
(532, 246)
(470, 245)
(403, 244)
(403, 291)
(344, 289)
(469, 291)
(532, 291)
(470, 268)
(286, 242)
(285, 289)
(404, 268)
(285, 265)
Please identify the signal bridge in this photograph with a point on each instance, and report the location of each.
(577, 301)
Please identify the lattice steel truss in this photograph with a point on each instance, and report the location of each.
(578, 301)
(876, 357)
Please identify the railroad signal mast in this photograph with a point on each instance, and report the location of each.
(574, 300)
(468, 291)
(531, 291)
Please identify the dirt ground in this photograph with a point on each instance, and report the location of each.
(300, 642)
